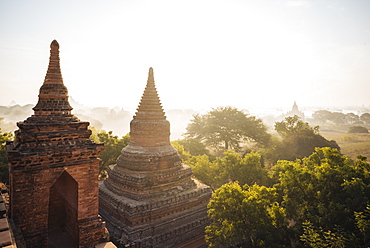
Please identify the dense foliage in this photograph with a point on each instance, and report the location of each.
(4, 169)
(230, 167)
(248, 216)
(293, 125)
(309, 197)
(226, 128)
(112, 149)
(315, 198)
(194, 146)
(319, 201)
(299, 140)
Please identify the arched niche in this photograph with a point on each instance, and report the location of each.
(63, 212)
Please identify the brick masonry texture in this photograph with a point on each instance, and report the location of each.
(150, 198)
(54, 169)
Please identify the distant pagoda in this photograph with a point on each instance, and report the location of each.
(53, 171)
(293, 112)
(149, 198)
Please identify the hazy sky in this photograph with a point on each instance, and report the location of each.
(205, 53)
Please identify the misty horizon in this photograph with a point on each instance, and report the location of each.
(118, 121)
(254, 54)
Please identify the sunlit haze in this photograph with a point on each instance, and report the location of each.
(205, 53)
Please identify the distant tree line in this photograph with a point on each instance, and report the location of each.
(324, 116)
(227, 128)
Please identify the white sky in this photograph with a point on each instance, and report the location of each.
(205, 53)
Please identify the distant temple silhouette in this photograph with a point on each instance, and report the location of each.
(293, 112)
(149, 198)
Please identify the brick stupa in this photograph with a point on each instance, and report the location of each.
(54, 171)
(149, 198)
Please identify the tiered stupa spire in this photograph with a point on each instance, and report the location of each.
(149, 197)
(53, 96)
(149, 127)
(150, 106)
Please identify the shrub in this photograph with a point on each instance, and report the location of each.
(358, 129)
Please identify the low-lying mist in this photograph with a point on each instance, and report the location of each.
(118, 119)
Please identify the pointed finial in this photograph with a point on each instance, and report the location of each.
(151, 75)
(150, 105)
(54, 45)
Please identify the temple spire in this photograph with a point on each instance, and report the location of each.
(54, 74)
(53, 96)
(149, 127)
(151, 75)
(150, 106)
(160, 204)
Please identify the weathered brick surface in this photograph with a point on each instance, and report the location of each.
(54, 169)
(149, 198)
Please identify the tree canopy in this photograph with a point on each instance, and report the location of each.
(230, 167)
(4, 168)
(319, 201)
(339, 118)
(365, 117)
(112, 148)
(299, 139)
(193, 146)
(247, 216)
(294, 125)
(227, 127)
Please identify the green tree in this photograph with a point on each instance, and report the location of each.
(365, 117)
(358, 129)
(352, 118)
(206, 171)
(363, 224)
(4, 168)
(248, 216)
(322, 115)
(193, 146)
(230, 167)
(318, 238)
(319, 201)
(325, 189)
(112, 149)
(337, 118)
(227, 127)
(246, 170)
(299, 140)
(294, 125)
(184, 155)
